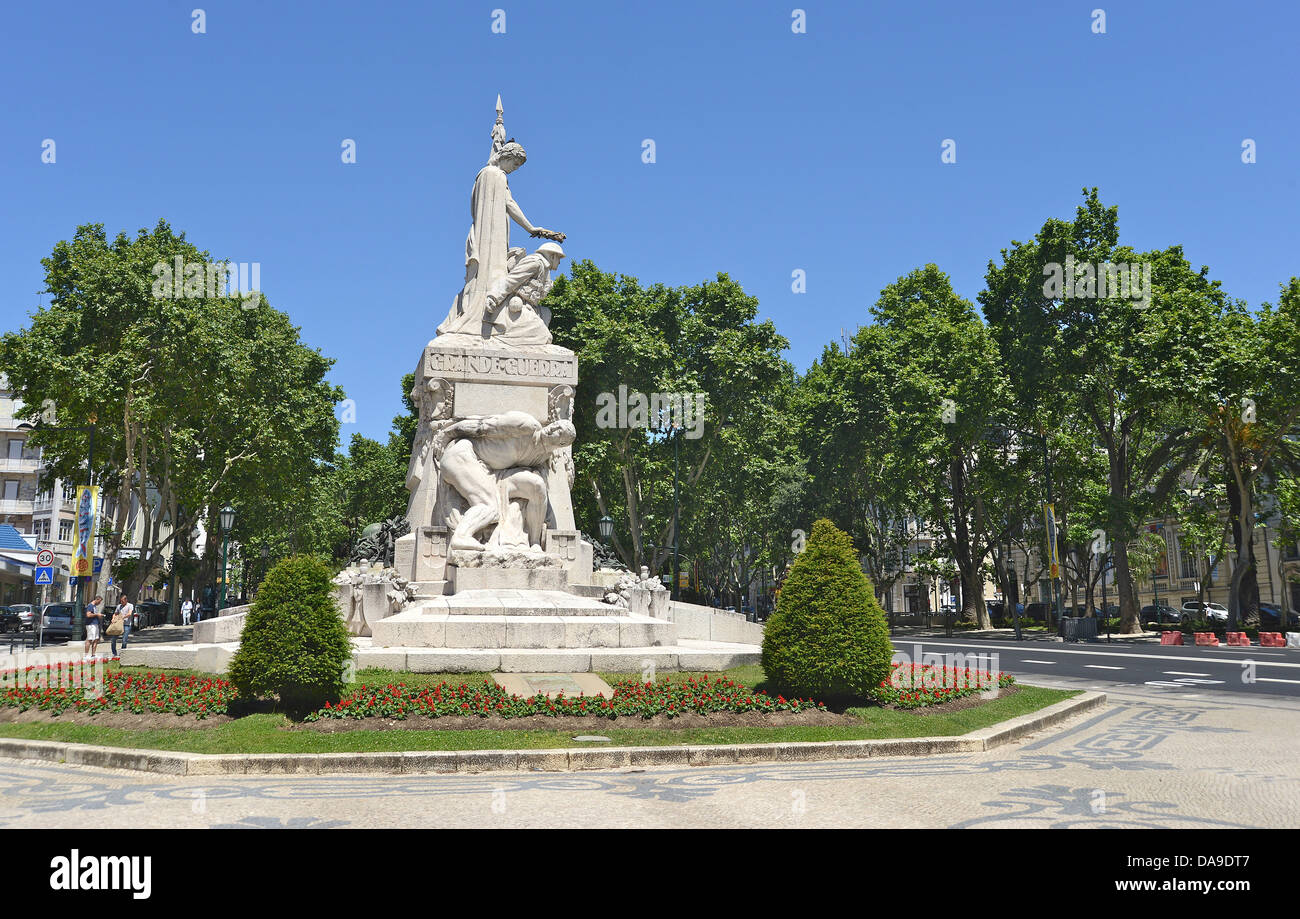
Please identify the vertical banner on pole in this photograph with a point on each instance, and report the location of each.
(1054, 563)
(83, 552)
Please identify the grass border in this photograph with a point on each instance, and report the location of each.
(550, 759)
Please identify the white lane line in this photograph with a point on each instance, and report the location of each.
(1031, 661)
(1265, 679)
(1198, 682)
(1101, 667)
(1183, 673)
(1170, 658)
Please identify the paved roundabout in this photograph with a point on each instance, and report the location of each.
(1136, 762)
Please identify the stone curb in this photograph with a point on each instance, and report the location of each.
(418, 762)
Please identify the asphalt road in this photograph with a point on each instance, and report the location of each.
(1146, 666)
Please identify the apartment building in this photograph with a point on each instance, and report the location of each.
(46, 519)
(20, 465)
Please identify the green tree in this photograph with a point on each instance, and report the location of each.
(828, 637)
(200, 400)
(294, 645)
(1251, 415)
(701, 339)
(1130, 368)
(948, 404)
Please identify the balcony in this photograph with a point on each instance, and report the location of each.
(21, 507)
(45, 502)
(25, 465)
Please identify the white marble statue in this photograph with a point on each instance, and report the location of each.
(498, 465)
(492, 208)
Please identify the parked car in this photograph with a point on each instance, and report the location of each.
(1209, 611)
(56, 620)
(25, 612)
(1160, 614)
(9, 620)
(1270, 615)
(150, 613)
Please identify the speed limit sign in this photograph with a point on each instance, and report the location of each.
(44, 558)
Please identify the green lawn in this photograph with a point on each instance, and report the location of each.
(266, 733)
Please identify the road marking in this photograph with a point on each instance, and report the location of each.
(1031, 661)
(1183, 673)
(1165, 683)
(1207, 682)
(1101, 667)
(1265, 679)
(1168, 658)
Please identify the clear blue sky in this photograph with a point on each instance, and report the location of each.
(775, 151)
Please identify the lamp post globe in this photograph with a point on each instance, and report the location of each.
(606, 528)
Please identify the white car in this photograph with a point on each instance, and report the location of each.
(1214, 611)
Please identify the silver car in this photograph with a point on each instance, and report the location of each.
(25, 613)
(1216, 612)
(56, 620)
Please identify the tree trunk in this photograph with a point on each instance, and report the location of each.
(1128, 605)
(972, 584)
(1243, 586)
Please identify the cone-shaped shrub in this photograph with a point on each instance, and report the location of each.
(828, 637)
(294, 644)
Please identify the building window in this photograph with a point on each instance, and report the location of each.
(1187, 567)
(15, 449)
(11, 490)
(65, 530)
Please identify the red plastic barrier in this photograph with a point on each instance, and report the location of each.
(1171, 638)
(1271, 640)
(1207, 638)
(1239, 639)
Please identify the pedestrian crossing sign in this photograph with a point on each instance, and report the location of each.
(44, 576)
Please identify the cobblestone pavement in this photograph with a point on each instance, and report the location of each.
(1143, 760)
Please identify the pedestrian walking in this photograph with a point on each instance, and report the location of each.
(94, 616)
(123, 613)
(187, 609)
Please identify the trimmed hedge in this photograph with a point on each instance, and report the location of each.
(294, 644)
(828, 637)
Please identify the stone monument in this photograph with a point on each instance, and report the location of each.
(491, 468)
(493, 557)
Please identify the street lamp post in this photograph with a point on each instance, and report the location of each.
(1105, 613)
(227, 516)
(78, 614)
(1155, 587)
(1014, 600)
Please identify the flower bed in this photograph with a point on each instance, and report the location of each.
(921, 685)
(631, 698)
(60, 687)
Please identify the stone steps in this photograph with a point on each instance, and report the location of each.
(689, 655)
(424, 628)
(517, 603)
(558, 660)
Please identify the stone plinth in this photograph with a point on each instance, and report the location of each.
(463, 579)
